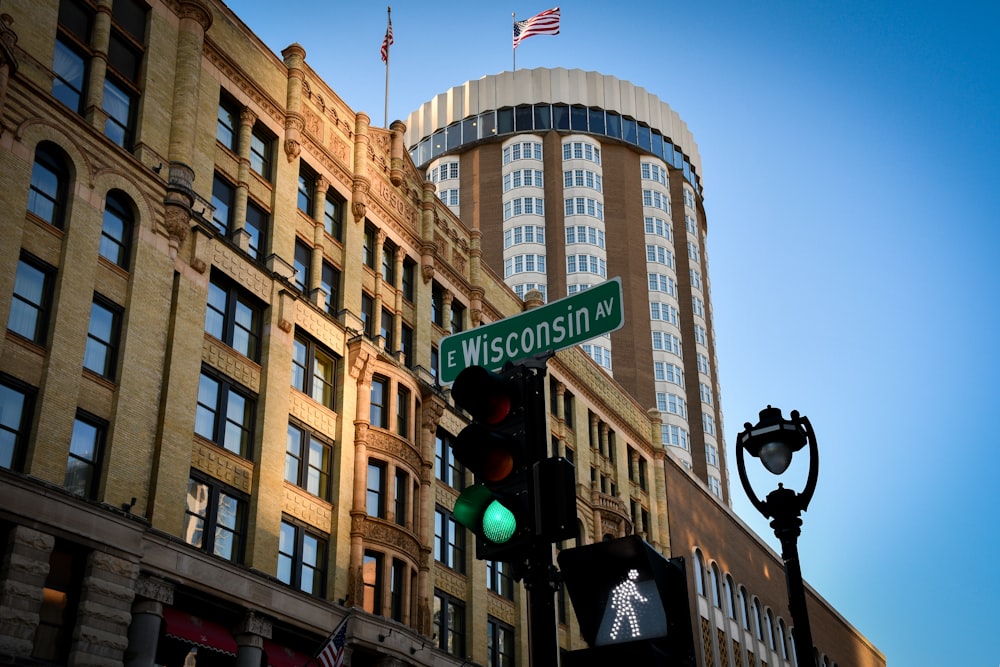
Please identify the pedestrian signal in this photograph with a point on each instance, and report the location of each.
(631, 603)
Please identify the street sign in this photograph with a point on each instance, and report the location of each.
(555, 326)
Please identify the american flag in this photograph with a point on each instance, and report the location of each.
(332, 654)
(387, 42)
(545, 23)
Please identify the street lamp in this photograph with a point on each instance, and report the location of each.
(774, 440)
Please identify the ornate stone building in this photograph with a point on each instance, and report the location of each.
(220, 428)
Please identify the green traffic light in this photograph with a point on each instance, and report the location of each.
(478, 510)
(499, 523)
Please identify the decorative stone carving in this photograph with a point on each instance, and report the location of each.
(359, 204)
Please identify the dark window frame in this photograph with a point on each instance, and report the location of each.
(83, 471)
(227, 326)
(295, 557)
(304, 366)
(210, 531)
(301, 468)
(220, 414)
(110, 347)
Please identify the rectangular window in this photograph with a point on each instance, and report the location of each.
(399, 495)
(449, 470)
(227, 125)
(406, 345)
(376, 489)
(314, 370)
(261, 149)
(83, 467)
(368, 246)
(215, 518)
(15, 421)
(70, 69)
(389, 263)
(367, 316)
(224, 414)
(499, 644)
(333, 211)
(302, 558)
(371, 576)
(403, 411)
(449, 540)
(385, 330)
(396, 583)
(437, 304)
(499, 579)
(119, 103)
(378, 414)
(330, 282)
(457, 317)
(223, 199)
(31, 300)
(233, 316)
(256, 227)
(101, 353)
(302, 264)
(449, 624)
(116, 229)
(307, 461)
(307, 188)
(409, 273)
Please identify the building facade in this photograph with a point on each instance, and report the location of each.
(221, 434)
(572, 177)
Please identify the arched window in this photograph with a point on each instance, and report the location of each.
(116, 232)
(783, 639)
(770, 629)
(716, 591)
(699, 573)
(758, 620)
(730, 596)
(49, 185)
(744, 609)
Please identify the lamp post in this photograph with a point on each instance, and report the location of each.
(774, 440)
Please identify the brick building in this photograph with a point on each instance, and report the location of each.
(220, 428)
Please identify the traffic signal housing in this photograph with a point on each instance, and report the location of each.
(631, 602)
(507, 436)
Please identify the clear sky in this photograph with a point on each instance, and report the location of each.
(850, 158)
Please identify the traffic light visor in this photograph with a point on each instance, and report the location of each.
(486, 396)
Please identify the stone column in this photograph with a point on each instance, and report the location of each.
(147, 615)
(359, 195)
(295, 57)
(397, 322)
(26, 566)
(195, 19)
(240, 236)
(377, 301)
(317, 294)
(431, 411)
(100, 39)
(446, 300)
(104, 612)
(250, 636)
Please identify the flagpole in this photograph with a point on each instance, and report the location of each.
(387, 50)
(513, 49)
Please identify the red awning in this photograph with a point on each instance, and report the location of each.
(198, 631)
(282, 656)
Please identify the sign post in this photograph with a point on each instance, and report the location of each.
(555, 326)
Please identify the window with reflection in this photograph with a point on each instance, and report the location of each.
(302, 557)
(233, 316)
(47, 194)
(101, 352)
(31, 300)
(215, 518)
(449, 624)
(308, 459)
(224, 413)
(16, 401)
(116, 228)
(371, 575)
(314, 369)
(83, 465)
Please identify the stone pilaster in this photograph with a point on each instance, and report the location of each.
(104, 612)
(26, 565)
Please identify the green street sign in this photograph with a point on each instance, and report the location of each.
(555, 326)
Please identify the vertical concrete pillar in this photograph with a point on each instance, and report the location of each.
(104, 612)
(359, 196)
(100, 39)
(250, 635)
(295, 57)
(25, 565)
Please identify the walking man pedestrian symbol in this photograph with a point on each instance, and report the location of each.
(623, 597)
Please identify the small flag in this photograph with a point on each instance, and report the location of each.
(333, 652)
(545, 23)
(387, 42)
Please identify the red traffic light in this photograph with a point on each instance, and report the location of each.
(487, 396)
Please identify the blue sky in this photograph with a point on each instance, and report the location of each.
(849, 156)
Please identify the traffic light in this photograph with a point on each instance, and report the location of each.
(506, 437)
(631, 602)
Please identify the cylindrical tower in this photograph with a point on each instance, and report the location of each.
(573, 177)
